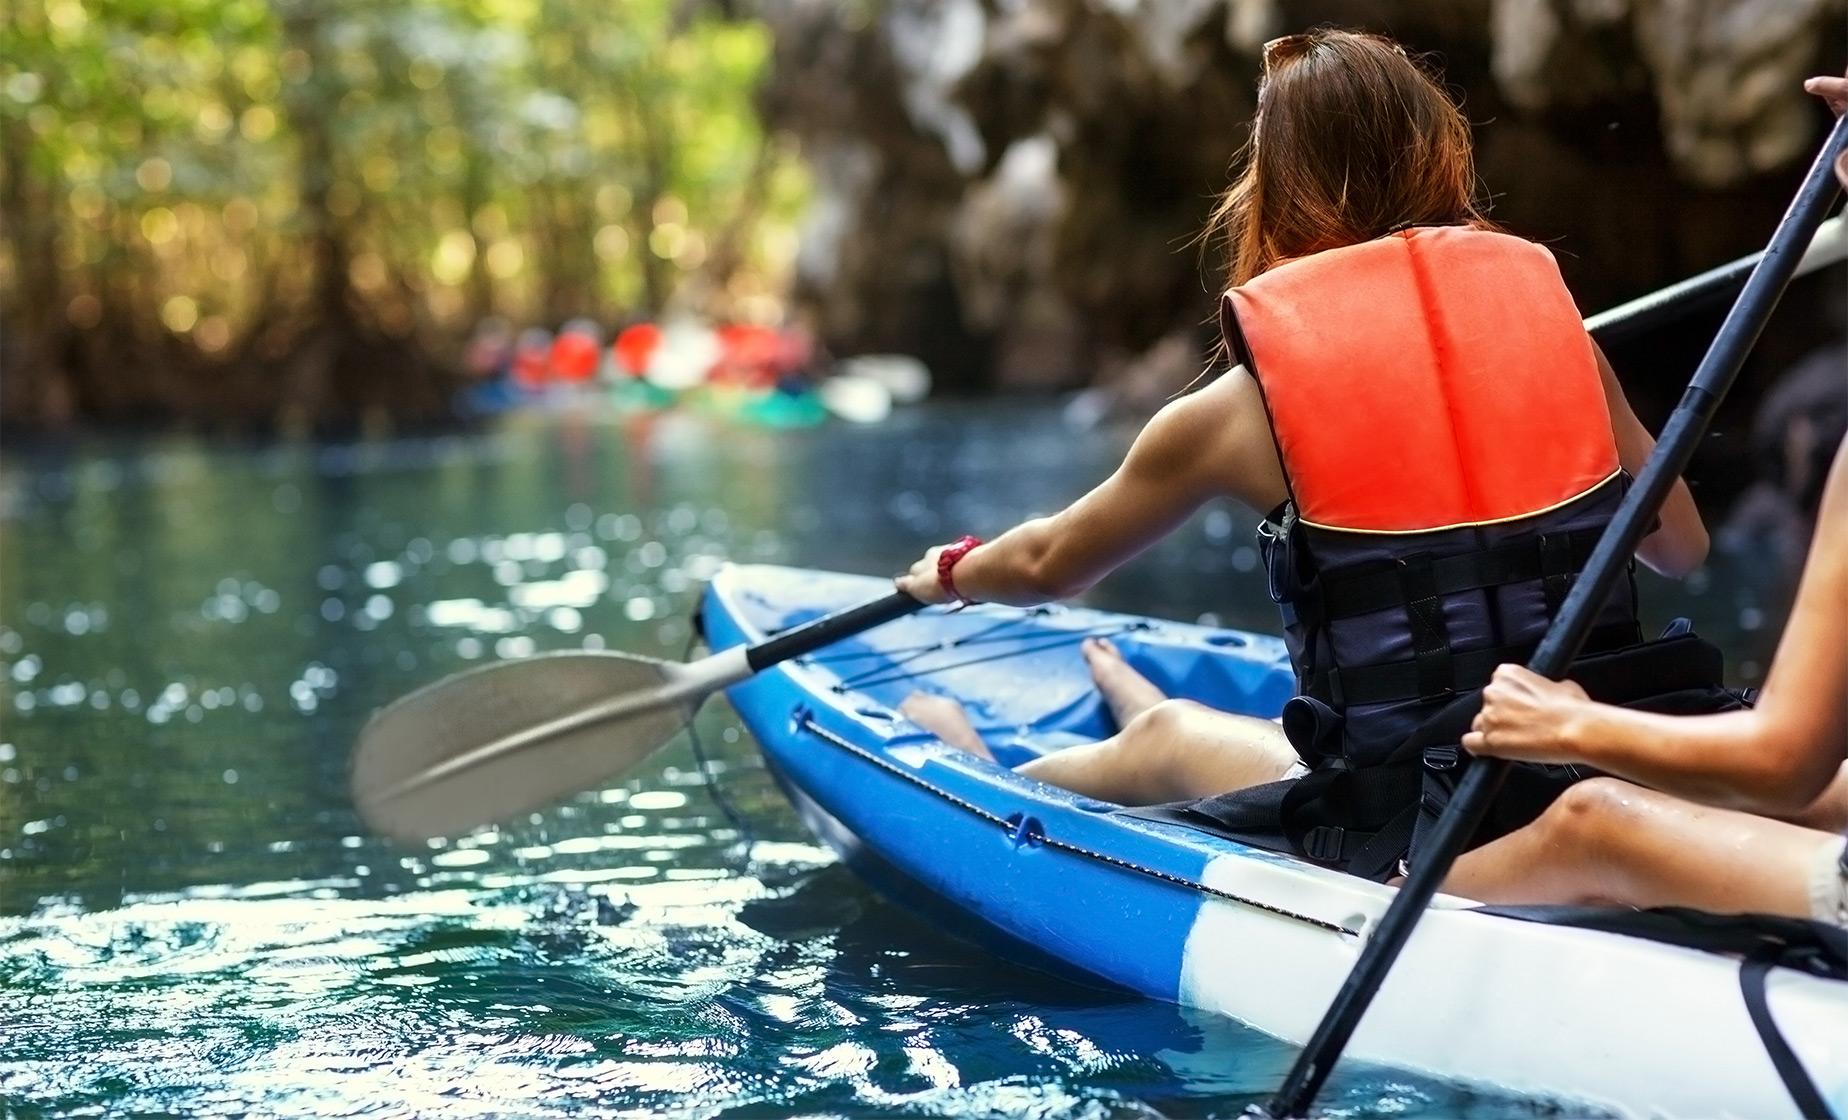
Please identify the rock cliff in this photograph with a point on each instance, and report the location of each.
(1012, 188)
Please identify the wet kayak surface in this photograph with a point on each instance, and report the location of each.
(193, 921)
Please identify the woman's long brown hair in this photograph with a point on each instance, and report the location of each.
(1353, 140)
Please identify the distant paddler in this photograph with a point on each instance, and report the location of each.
(487, 362)
(635, 348)
(632, 357)
(576, 352)
(532, 359)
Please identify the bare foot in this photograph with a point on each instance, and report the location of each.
(1128, 692)
(945, 718)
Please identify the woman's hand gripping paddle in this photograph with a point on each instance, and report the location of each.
(491, 743)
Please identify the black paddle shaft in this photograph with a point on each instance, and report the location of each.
(1631, 523)
(1658, 309)
(811, 636)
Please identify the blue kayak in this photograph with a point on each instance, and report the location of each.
(1051, 878)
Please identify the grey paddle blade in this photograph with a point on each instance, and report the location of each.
(508, 738)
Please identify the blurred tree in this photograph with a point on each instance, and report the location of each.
(255, 214)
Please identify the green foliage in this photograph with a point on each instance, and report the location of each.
(196, 172)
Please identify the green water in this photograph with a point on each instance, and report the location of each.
(192, 921)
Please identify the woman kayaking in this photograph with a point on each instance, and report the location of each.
(1418, 410)
(1690, 815)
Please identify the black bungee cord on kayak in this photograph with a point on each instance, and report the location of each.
(892, 662)
(899, 655)
(1631, 523)
(879, 675)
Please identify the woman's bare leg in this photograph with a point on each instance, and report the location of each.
(1176, 750)
(1607, 841)
(1166, 750)
(947, 720)
(1127, 692)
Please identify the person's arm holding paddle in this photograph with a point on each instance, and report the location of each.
(1777, 757)
(1834, 94)
(1691, 832)
(1734, 812)
(1208, 444)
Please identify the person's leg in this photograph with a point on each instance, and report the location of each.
(1176, 750)
(1607, 841)
(1166, 750)
(1127, 692)
(947, 720)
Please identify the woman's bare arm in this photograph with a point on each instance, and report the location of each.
(1680, 544)
(1210, 443)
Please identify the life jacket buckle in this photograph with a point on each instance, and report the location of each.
(1324, 843)
(1442, 757)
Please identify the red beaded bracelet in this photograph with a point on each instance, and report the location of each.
(947, 558)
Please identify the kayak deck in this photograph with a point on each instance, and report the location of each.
(1198, 919)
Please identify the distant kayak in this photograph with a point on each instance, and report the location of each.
(633, 394)
(765, 408)
(1569, 1003)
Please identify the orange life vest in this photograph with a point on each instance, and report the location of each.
(1441, 420)
(1432, 378)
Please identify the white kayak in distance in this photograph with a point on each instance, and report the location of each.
(1615, 1018)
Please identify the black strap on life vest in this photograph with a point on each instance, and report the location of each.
(1414, 677)
(1560, 565)
(1358, 820)
(1677, 675)
(1546, 556)
(1433, 669)
(1764, 942)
